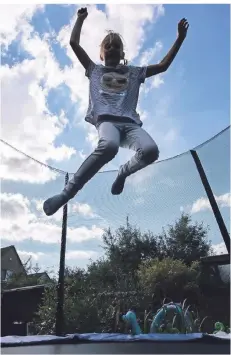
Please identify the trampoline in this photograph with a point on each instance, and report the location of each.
(117, 344)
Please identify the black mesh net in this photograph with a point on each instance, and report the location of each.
(152, 199)
(215, 158)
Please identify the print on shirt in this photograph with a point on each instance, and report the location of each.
(114, 83)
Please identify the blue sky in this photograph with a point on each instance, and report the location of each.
(44, 99)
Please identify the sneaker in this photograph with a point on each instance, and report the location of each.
(53, 204)
(118, 185)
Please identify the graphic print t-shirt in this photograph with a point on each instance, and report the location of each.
(114, 91)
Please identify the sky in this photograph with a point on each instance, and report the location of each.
(44, 98)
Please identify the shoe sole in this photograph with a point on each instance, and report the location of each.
(46, 208)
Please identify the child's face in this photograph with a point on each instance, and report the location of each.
(112, 49)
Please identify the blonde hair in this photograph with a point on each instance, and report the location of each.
(110, 36)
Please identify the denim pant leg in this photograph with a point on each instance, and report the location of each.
(136, 138)
(108, 145)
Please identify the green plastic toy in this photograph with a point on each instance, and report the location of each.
(219, 327)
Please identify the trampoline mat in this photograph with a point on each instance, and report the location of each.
(117, 344)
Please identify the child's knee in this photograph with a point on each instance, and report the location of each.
(110, 148)
(150, 154)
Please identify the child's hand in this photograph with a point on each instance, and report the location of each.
(82, 13)
(183, 26)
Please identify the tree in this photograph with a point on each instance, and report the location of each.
(185, 240)
(135, 265)
(128, 247)
(171, 276)
(80, 306)
(103, 275)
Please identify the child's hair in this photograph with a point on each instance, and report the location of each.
(110, 36)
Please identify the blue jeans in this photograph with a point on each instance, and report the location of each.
(113, 135)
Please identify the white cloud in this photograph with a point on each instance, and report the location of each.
(82, 155)
(92, 137)
(82, 209)
(80, 254)
(15, 208)
(16, 167)
(203, 204)
(50, 261)
(157, 81)
(224, 200)
(14, 20)
(147, 58)
(26, 121)
(74, 208)
(129, 20)
(47, 67)
(26, 255)
(143, 114)
(219, 249)
(148, 55)
(81, 234)
(18, 224)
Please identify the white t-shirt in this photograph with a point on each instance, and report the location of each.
(114, 91)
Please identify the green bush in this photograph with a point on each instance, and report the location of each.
(170, 275)
(137, 272)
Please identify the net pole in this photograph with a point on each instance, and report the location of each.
(59, 321)
(212, 200)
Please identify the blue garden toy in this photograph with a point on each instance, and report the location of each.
(130, 319)
(170, 318)
(171, 312)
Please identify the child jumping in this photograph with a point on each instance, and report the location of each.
(114, 91)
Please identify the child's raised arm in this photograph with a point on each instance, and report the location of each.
(75, 38)
(168, 59)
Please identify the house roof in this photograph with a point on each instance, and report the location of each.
(39, 274)
(26, 288)
(5, 250)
